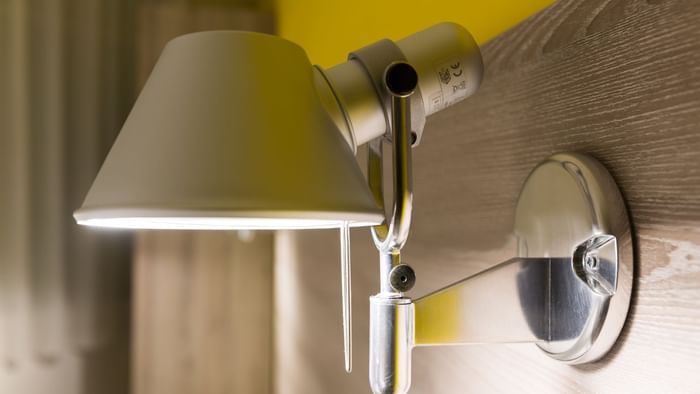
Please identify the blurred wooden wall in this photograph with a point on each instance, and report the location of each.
(66, 77)
(202, 300)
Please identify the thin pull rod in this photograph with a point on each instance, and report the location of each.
(346, 289)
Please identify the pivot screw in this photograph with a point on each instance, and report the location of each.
(402, 278)
(592, 263)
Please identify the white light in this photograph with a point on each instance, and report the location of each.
(215, 223)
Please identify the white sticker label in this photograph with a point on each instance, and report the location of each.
(453, 84)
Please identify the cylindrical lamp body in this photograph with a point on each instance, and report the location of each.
(449, 66)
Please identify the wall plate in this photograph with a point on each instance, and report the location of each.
(571, 207)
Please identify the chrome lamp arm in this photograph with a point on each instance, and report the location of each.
(567, 291)
(524, 300)
(508, 303)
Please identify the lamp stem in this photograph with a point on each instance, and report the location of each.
(391, 314)
(387, 261)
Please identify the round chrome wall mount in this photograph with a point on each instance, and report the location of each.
(570, 207)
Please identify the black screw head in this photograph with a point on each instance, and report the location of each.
(402, 278)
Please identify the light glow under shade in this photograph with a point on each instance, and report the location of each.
(216, 223)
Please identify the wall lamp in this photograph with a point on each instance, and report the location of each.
(237, 130)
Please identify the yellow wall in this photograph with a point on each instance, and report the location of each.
(329, 29)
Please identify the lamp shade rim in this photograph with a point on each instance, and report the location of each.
(224, 32)
(159, 218)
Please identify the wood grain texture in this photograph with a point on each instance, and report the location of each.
(203, 307)
(64, 291)
(616, 79)
(202, 300)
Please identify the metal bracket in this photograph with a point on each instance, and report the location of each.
(572, 306)
(571, 206)
(568, 290)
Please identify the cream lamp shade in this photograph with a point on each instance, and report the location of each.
(229, 133)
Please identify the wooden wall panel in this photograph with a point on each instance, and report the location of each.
(617, 79)
(203, 304)
(202, 300)
(64, 290)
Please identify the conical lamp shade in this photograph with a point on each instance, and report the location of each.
(229, 133)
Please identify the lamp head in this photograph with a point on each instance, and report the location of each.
(229, 133)
(237, 130)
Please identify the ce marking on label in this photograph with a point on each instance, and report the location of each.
(457, 66)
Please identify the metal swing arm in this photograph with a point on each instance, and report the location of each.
(559, 303)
